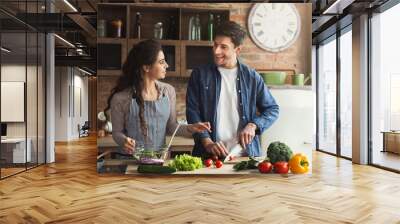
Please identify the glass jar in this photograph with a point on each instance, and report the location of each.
(117, 25)
(101, 28)
(158, 31)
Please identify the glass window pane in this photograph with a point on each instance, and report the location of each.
(327, 96)
(386, 89)
(31, 96)
(22, 71)
(346, 93)
(41, 99)
(13, 85)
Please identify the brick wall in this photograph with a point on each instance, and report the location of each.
(105, 84)
(296, 58)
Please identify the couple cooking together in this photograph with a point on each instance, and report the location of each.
(226, 102)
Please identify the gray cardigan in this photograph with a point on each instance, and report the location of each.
(120, 107)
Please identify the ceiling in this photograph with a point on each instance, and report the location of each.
(80, 27)
(77, 27)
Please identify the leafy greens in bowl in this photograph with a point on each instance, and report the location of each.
(151, 157)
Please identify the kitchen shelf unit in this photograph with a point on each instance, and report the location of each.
(181, 54)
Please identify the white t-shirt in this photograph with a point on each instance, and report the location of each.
(228, 108)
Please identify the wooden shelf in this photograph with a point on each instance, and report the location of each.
(109, 72)
(133, 41)
(197, 43)
(110, 40)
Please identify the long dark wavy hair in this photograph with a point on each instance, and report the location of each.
(143, 53)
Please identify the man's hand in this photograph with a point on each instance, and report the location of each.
(247, 134)
(199, 127)
(129, 145)
(215, 148)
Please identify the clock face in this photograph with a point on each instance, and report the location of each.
(274, 26)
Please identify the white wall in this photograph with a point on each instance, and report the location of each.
(295, 125)
(61, 103)
(81, 104)
(71, 94)
(16, 73)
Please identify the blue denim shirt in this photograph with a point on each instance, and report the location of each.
(256, 104)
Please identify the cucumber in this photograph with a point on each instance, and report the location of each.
(155, 169)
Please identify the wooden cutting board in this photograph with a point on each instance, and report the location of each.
(226, 169)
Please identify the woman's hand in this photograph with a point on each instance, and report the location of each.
(199, 127)
(129, 145)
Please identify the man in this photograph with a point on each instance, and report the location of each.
(229, 95)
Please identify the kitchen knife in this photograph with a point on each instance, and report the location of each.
(236, 151)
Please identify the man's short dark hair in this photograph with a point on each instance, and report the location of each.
(233, 30)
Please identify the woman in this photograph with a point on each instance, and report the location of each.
(143, 108)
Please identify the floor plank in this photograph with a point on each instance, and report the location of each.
(70, 191)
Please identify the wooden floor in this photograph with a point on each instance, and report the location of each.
(5, 172)
(70, 191)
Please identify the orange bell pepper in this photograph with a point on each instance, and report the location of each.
(299, 163)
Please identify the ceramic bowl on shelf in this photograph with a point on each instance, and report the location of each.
(274, 78)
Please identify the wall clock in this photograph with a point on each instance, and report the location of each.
(274, 26)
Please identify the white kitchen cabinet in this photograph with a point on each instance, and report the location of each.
(296, 123)
(15, 147)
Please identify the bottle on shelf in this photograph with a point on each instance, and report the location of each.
(192, 28)
(198, 28)
(138, 24)
(210, 27)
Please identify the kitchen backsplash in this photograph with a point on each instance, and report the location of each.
(180, 85)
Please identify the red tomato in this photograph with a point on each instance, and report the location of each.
(208, 162)
(265, 167)
(214, 158)
(218, 163)
(281, 167)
